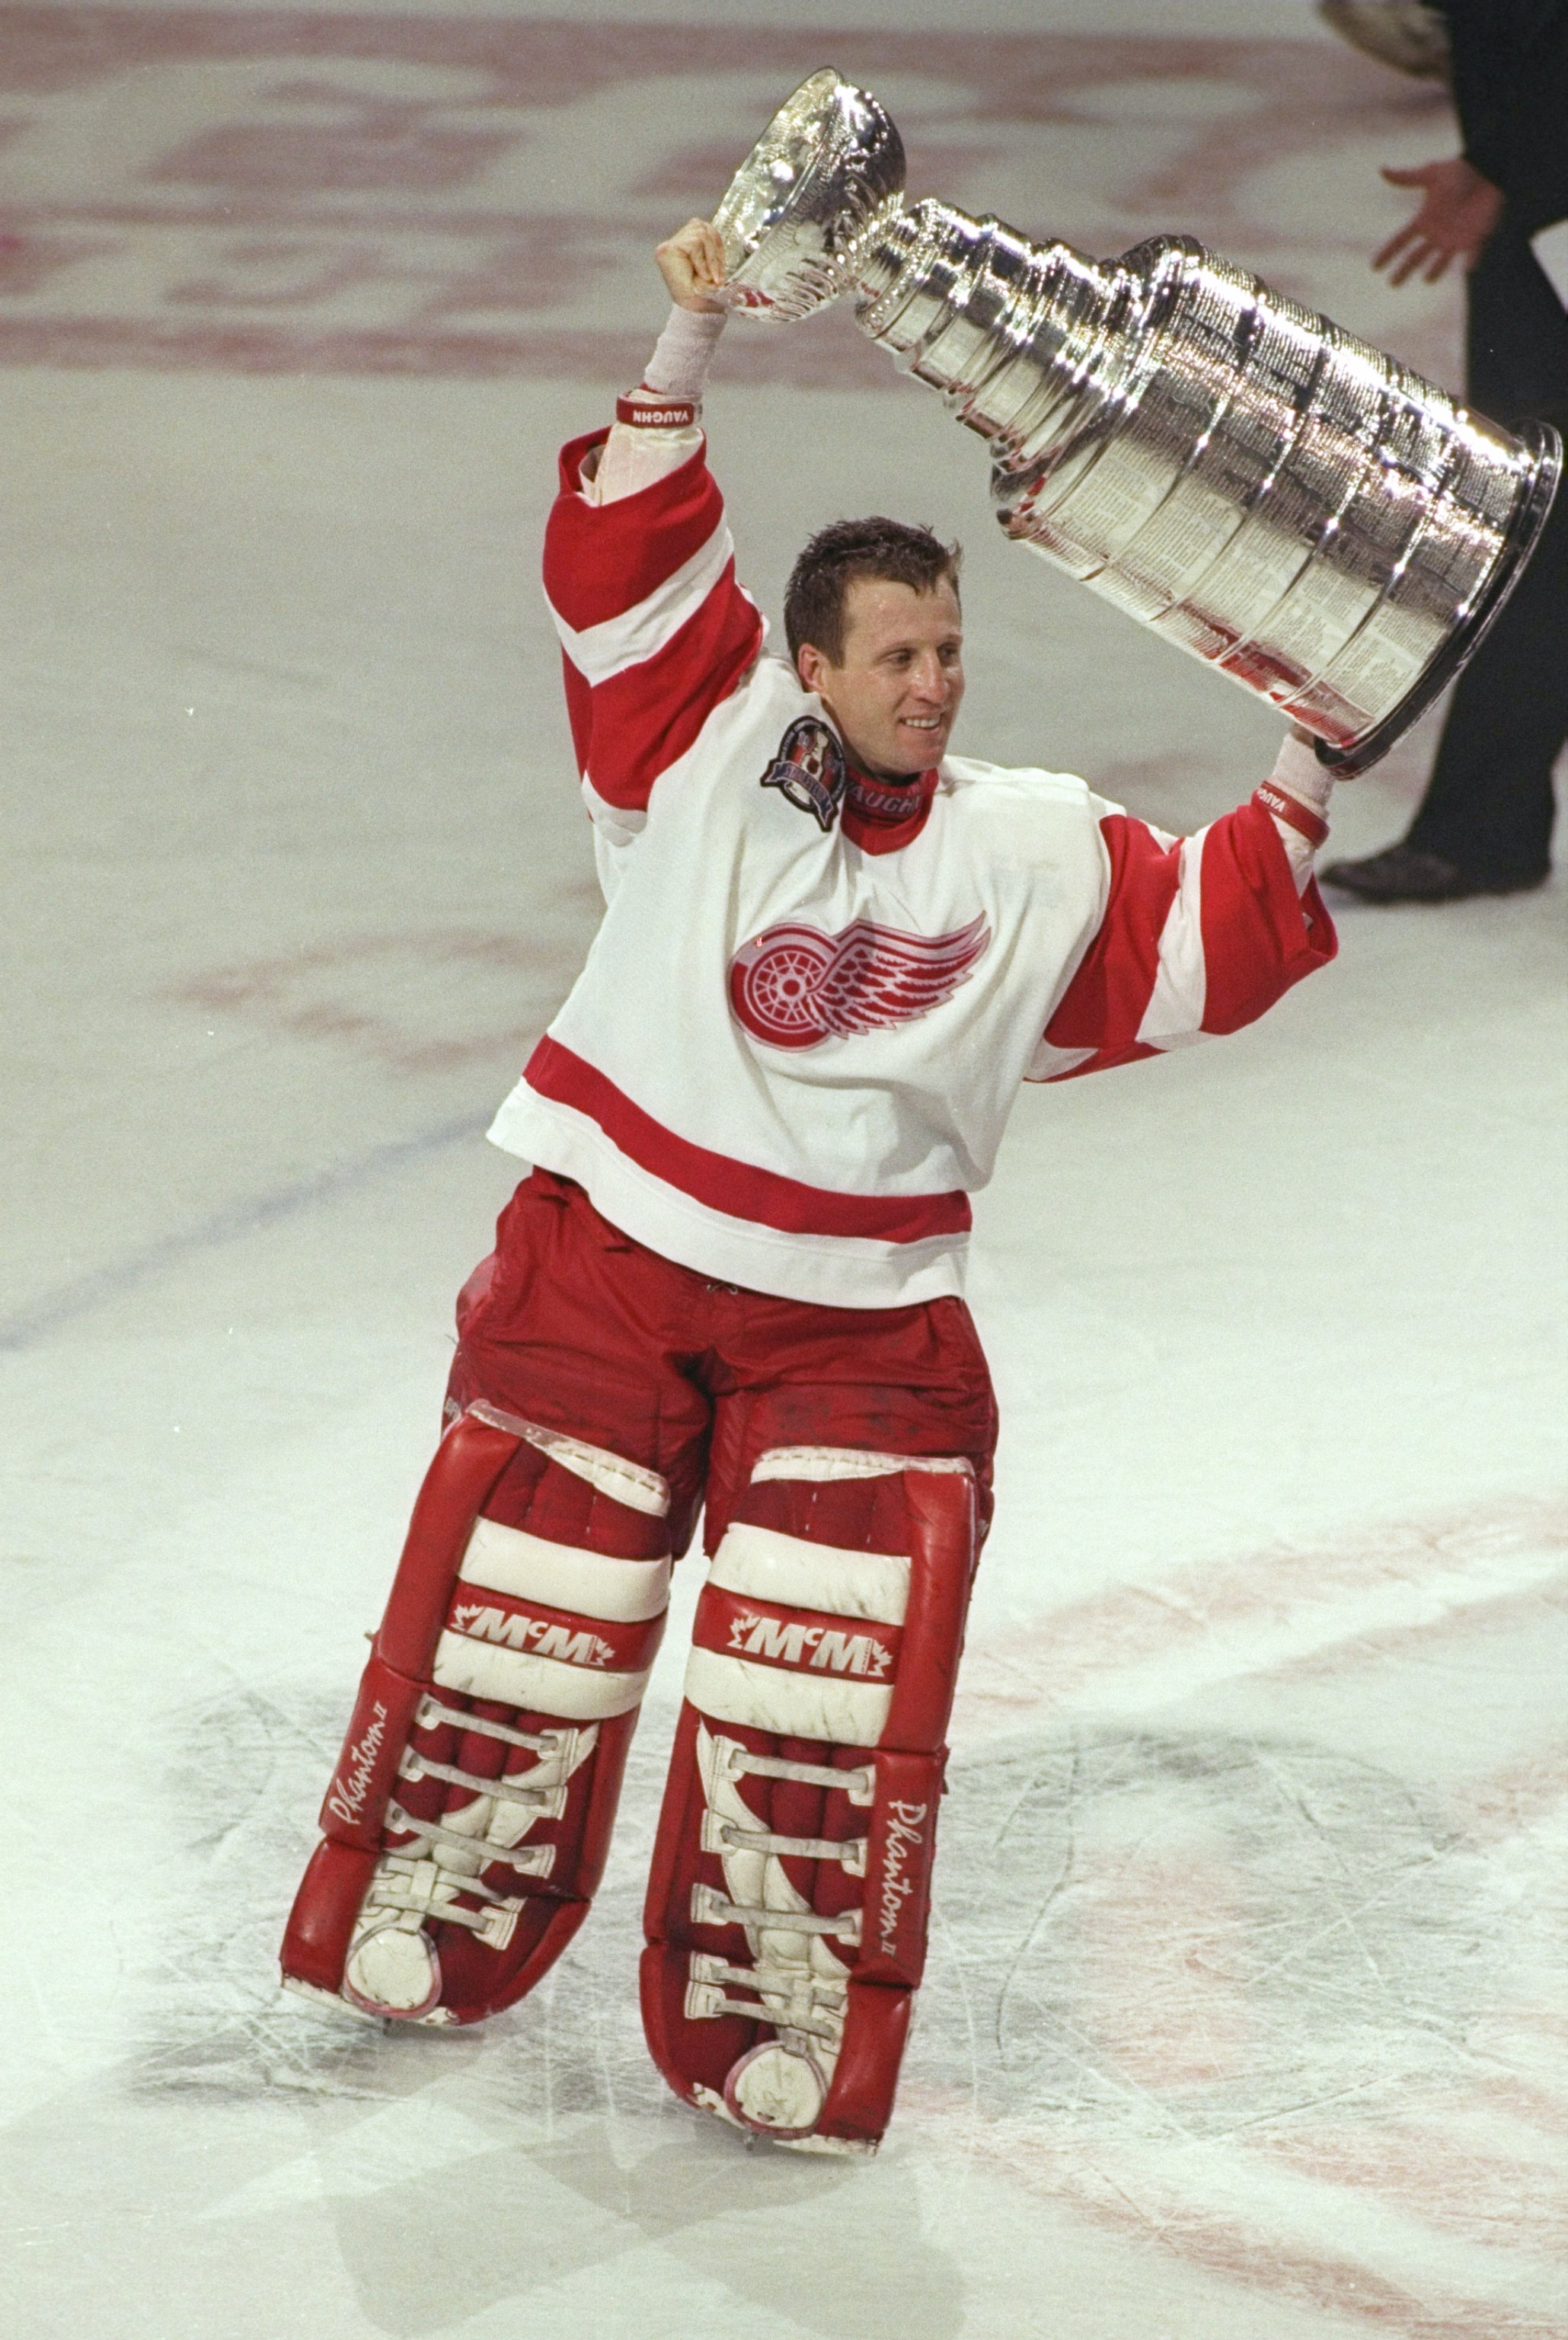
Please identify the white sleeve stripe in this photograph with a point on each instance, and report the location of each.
(1175, 1011)
(608, 648)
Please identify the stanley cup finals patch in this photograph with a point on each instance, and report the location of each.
(809, 769)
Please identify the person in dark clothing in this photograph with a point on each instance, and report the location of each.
(1485, 825)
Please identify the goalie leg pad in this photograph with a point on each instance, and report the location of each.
(787, 1906)
(469, 1818)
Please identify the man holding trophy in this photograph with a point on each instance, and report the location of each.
(731, 1282)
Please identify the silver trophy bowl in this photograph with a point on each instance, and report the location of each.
(825, 172)
(1277, 499)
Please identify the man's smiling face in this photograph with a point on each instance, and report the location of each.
(896, 690)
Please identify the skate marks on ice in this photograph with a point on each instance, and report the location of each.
(554, 2108)
(1264, 2007)
(1205, 1988)
(1340, 1996)
(1162, 1936)
(261, 191)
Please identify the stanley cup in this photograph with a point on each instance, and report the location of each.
(1287, 503)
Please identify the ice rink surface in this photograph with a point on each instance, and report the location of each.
(1247, 2018)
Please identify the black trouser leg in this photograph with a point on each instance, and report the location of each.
(1488, 807)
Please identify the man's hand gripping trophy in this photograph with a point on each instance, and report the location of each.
(691, 264)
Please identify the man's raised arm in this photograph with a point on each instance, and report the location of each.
(639, 567)
(1199, 935)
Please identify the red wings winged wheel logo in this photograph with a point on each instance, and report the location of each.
(793, 986)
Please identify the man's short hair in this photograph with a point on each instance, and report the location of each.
(836, 555)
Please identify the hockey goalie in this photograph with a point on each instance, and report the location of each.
(730, 1285)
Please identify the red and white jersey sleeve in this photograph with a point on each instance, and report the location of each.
(654, 631)
(1199, 936)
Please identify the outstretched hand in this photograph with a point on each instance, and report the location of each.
(1458, 211)
(691, 264)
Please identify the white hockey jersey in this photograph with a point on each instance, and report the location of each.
(791, 1054)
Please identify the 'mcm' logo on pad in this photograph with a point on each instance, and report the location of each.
(793, 1643)
(537, 1635)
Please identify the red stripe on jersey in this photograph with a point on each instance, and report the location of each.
(738, 1189)
(643, 717)
(602, 560)
(1259, 935)
(1108, 998)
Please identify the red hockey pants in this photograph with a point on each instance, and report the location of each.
(572, 1325)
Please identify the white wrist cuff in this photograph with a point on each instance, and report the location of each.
(1297, 770)
(684, 352)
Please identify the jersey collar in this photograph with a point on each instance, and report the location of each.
(879, 817)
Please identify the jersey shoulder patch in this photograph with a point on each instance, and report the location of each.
(809, 770)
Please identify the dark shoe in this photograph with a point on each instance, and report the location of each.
(1404, 872)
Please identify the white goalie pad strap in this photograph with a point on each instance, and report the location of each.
(463, 1852)
(820, 1465)
(627, 1482)
(712, 1908)
(530, 1802)
(508, 1560)
(734, 1762)
(721, 1835)
(479, 1669)
(432, 1714)
(794, 1705)
(763, 1565)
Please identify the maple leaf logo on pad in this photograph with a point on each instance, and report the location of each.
(793, 986)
